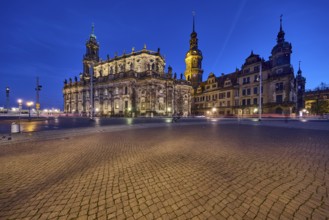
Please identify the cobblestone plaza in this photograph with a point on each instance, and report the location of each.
(204, 171)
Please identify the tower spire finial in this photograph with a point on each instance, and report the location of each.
(299, 72)
(193, 14)
(281, 22)
(92, 35)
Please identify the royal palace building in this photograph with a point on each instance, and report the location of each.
(133, 84)
(271, 82)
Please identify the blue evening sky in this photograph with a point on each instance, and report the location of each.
(47, 38)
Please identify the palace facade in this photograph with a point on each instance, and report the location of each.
(271, 82)
(133, 84)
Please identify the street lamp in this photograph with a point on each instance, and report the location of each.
(37, 104)
(213, 111)
(255, 110)
(7, 98)
(20, 101)
(29, 104)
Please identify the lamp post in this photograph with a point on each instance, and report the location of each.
(37, 104)
(91, 70)
(20, 101)
(29, 104)
(7, 98)
(260, 93)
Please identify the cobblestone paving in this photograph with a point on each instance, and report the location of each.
(175, 172)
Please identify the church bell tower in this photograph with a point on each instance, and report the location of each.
(92, 53)
(193, 60)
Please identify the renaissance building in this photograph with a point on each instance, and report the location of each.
(133, 84)
(271, 82)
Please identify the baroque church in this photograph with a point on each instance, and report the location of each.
(136, 84)
(133, 84)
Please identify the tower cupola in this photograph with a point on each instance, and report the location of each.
(281, 53)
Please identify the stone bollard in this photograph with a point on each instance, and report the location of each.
(15, 128)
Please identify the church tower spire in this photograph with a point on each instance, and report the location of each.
(91, 56)
(193, 59)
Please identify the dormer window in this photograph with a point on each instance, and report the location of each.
(227, 83)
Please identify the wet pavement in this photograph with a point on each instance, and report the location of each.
(57, 123)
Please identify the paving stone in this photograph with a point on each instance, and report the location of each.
(215, 171)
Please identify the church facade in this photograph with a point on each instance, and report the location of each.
(271, 82)
(133, 84)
